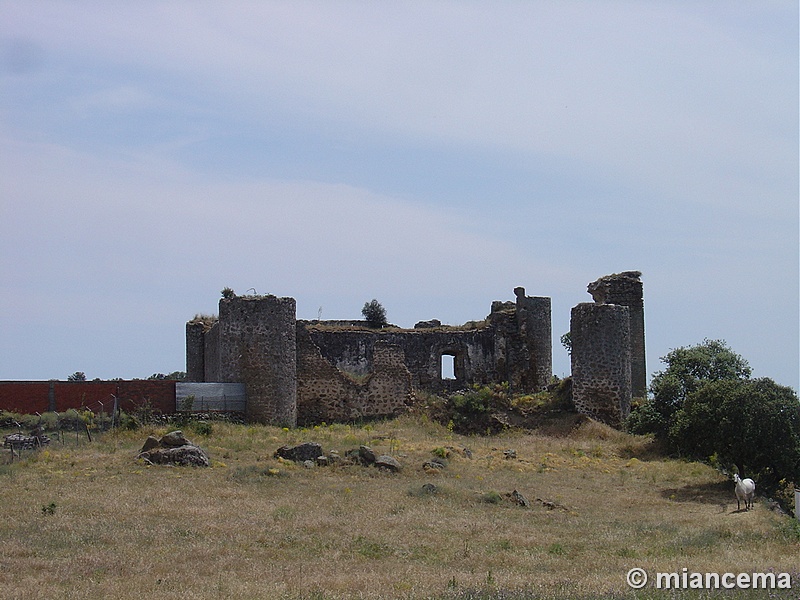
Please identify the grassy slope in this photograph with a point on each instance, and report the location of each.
(121, 529)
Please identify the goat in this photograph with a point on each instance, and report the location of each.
(745, 490)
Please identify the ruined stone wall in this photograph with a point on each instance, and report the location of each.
(626, 289)
(340, 370)
(512, 344)
(327, 394)
(601, 361)
(257, 347)
(353, 351)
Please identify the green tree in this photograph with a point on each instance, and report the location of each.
(752, 424)
(374, 314)
(77, 376)
(176, 375)
(566, 341)
(688, 369)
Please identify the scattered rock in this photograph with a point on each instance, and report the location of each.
(150, 443)
(309, 464)
(510, 454)
(301, 452)
(367, 455)
(174, 439)
(184, 456)
(552, 505)
(430, 489)
(384, 461)
(322, 461)
(519, 499)
(173, 449)
(434, 465)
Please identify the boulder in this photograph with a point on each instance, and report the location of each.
(185, 456)
(301, 452)
(390, 463)
(174, 439)
(367, 455)
(150, 443)
(173, 449)
(429, 489)
(519, 499)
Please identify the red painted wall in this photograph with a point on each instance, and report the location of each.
(77, 394)
(25, 397)
(28, 397)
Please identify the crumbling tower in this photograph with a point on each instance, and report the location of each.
(253, 342)
(534, 323)
(625, 289)
(601, 361)
(608, 361)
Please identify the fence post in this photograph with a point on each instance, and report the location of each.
(114, 411)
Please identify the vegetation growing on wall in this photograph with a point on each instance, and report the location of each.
(374, 314)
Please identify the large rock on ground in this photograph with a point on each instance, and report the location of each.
(174, 439)
(300, 453)
(390, 463)
(184, 456)
(173, 449)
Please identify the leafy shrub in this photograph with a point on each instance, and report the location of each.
(471, 410)
(201, 427)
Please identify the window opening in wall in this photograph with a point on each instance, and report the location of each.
(448, 366)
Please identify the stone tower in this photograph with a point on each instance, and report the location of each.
(625, 289)
(254, 342)
(601, 361)
(534, 323)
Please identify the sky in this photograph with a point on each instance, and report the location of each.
(430, 155)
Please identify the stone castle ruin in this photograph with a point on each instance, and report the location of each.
(304, 372)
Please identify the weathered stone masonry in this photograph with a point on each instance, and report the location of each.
(625, 289)
(253, 342)
(601, 363)
(307, 371)
(314, 371)
(608, 356)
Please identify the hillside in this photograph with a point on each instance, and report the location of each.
(87, 520)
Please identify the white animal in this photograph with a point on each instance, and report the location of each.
(745, 490)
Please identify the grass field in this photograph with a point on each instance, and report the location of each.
(90, 521)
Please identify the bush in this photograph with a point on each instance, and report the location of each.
(471, 410)
(753, 425)
(689, 369)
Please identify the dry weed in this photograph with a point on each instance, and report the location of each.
(91, 521)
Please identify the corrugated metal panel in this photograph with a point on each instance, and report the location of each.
(210, 397)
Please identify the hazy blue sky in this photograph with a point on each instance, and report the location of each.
(432, 155)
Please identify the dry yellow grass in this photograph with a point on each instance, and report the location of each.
(92, 522)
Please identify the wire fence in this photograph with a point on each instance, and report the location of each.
(27, 433)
